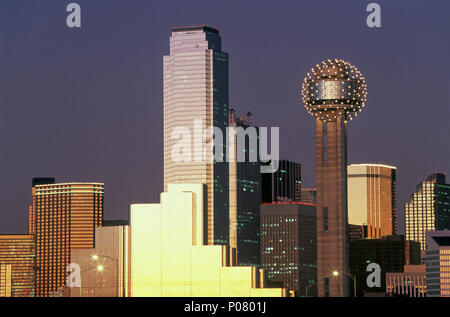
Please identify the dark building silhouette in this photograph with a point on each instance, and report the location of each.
(391, 253)
(284, 184)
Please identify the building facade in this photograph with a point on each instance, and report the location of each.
(372, 198)
(105, 269)
(288, 245)
(437, 261)
(409, 283)
(285, 184)
(65, 218)
(17, 265)
(169, 257)
(245, 190)
(195, 101)
(391, 253)
(428, 208)
(309, 195)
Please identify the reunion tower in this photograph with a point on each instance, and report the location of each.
(333, 92)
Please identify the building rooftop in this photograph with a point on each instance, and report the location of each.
(195, 28)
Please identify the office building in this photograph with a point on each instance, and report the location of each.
(409, 283)
(65, 216)
(17, 265)
(196, 90)
(308, 195)
(372, 198)
(333, 93)
(288, 245)
(437, 262)
(169, 257)
(245, 190)
(391, 253)
(105, 269)
(428, 208)
(285, 184)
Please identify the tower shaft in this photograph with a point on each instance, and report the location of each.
(331, 180)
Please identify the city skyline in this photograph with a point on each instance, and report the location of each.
(111, 158)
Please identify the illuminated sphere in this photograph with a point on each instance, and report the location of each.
(334, 88)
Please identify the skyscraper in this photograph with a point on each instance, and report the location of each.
(285, 184)
(332, 92)
(288, 245)
(17, 265)
(372, 198)
(65, 218)
(196, 90)
(245, 193)
(428, 208)
(169, 258)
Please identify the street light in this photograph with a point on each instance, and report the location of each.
(336, 274)
(100, 268)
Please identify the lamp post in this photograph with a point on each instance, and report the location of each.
(98, 268)
(336, 274)
(95, 257)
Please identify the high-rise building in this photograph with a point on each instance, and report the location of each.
(17, 265)
(391, 253)
(372, 198)
(245, 191)
(104, 270)
(288, 245)
(196, 90)
(409, 283)
(65, 216)
(169, 257)
(428, 208)
(332, 93)
(309, 195)
(285, 184)
(437, 262)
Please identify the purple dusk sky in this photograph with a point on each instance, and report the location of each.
(86, 104)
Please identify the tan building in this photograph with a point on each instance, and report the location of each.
(104, 269)
(410, 283)
(170, 259)
(64, 217)
(17, 261)
(372, 198)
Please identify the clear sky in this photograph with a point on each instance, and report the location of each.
(86, 104)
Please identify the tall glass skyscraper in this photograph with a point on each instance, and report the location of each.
(196, 90)
(428, 208)
(245, 194)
